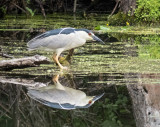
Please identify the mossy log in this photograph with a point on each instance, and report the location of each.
(32, 61)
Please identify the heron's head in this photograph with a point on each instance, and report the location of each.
(88, 101)
(88, 35)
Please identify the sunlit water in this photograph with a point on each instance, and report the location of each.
(126, 69)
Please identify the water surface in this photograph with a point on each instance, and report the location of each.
(126, 69)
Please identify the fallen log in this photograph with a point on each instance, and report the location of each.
(32, 61)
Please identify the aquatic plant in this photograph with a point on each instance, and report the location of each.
(31, 12)
(148, 10)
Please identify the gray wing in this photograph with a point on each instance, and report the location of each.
(52, 95)
(53, 39)
(51, 100)
(65, 106)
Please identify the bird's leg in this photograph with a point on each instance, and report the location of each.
(55, 78)
(70, 54)
(55, 58)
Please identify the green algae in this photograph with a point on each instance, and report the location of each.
(52, 22)
(124, 59)
(89, 64)
(130, 44)
(136, 30)
(91, 58)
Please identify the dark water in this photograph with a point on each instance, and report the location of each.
(126, 69)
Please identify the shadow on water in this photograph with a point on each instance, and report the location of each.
(126, 69)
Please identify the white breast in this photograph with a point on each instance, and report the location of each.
(76, 40)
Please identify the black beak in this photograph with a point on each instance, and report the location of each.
(98, 39)
(97, 97)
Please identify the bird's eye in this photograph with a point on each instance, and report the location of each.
(90, 102)
(89, 34)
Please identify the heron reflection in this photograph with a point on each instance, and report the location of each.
(62, 97)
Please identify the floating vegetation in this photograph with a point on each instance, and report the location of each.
(136, 30)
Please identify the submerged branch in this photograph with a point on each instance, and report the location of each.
(114, 9)
(5, 55)
(75, 5)
(42, 8)
(32, 61)
(19, 8)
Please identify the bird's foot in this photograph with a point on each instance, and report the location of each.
(64, 61)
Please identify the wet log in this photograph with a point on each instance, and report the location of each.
(32, 61)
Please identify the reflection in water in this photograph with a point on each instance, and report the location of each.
(125, 58)
(17, 110)
(62, 97)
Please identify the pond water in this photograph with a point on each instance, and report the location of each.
(126, 69)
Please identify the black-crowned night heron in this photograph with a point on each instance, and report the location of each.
(62, 97)
(60, 40)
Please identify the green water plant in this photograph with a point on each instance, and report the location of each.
(148, 10)
(121, 19)
(31, 12)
